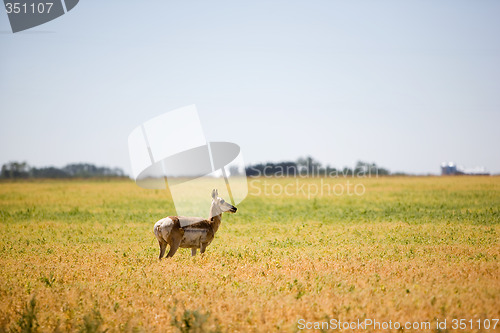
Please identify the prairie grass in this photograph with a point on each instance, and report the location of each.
(81, 256)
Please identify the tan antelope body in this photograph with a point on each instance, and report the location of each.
(191, 232)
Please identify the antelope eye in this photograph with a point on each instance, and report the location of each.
(222, 201)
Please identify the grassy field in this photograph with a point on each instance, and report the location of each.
(81, 256)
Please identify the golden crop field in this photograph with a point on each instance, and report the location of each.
(81, 256)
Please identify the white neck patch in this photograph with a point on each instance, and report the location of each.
(214, 210)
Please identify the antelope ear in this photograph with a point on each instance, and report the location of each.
(214, 194)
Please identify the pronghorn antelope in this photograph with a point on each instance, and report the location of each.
(197, 233)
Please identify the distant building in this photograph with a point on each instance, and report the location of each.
(451, 168)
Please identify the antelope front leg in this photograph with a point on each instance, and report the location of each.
(193, 252)
(203, 247)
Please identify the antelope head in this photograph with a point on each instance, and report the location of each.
(220, 206)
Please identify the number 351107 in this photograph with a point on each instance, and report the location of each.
(23, 8)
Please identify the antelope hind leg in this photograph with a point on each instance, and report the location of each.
(174, 246)
(163, 246)
(193, 252)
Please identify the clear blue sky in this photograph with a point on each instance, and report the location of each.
(405, 84)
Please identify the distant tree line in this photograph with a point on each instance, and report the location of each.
(307, 167)
(310, 167)
(16, 170)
